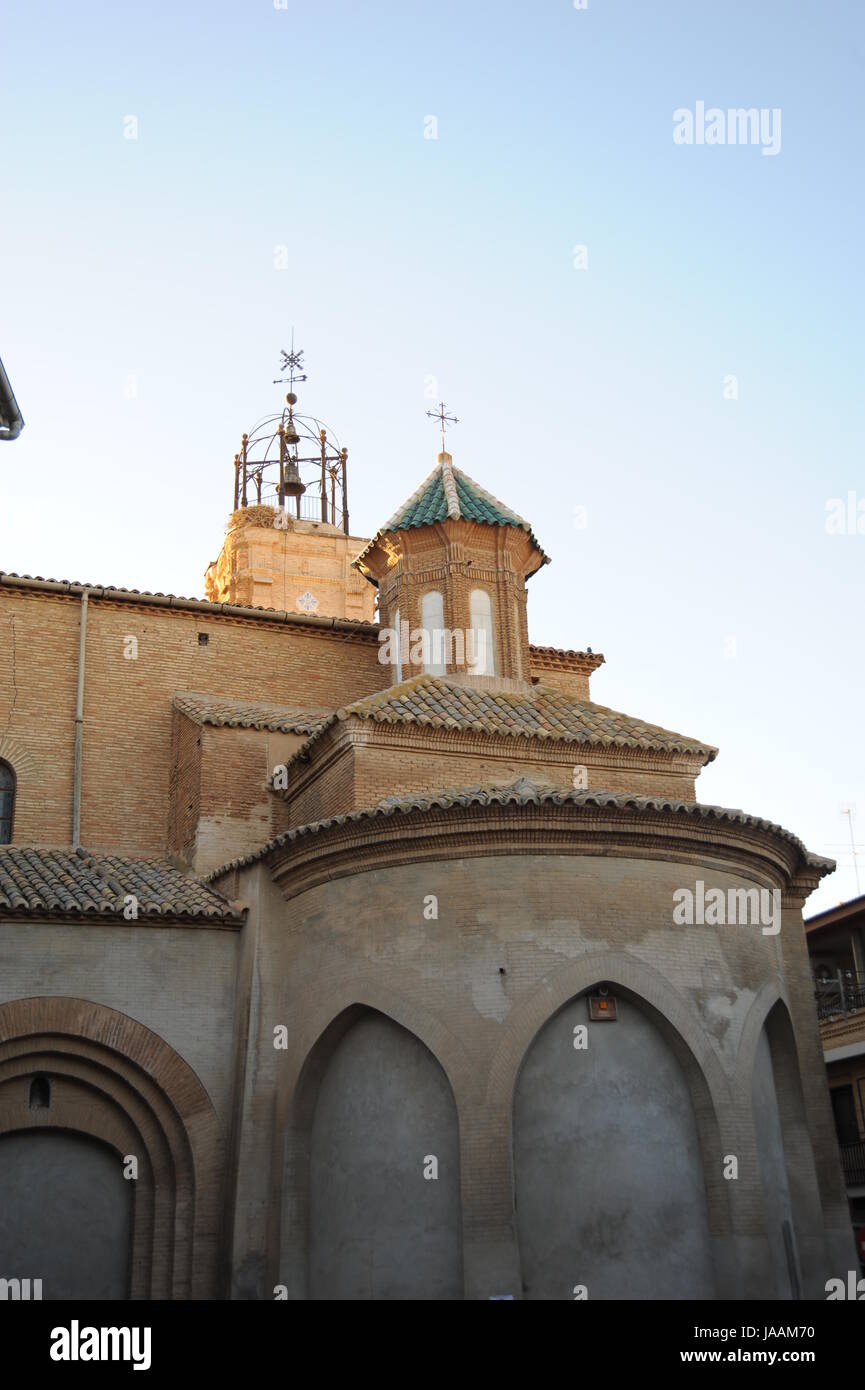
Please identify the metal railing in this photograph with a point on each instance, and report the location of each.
(310, 505)
(842, 995)
(853, 1163)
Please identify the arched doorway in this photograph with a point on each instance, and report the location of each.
(610, 1192)
(65, 1215)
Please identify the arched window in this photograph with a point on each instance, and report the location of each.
(40, 1093)
(432, 620)
(398, 651)
(481, 615)
(7, 803)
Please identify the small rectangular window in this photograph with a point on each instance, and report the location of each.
(7, 803)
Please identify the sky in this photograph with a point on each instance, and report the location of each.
(654, 348)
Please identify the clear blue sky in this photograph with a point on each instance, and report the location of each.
(409, 257)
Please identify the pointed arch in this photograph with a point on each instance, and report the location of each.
(361, 1216)
(616, 1156)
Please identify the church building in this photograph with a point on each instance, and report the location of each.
(351, 950)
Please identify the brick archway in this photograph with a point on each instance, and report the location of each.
(118, 1082)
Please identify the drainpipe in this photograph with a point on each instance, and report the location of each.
(79, 724)
(11, 423)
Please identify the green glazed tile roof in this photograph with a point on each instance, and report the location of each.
(448, 493)
(48, 882)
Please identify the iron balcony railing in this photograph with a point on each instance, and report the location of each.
(853, 1163)
(841, 995)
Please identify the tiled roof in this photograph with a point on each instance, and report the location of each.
(45, 882)
(448, 493)
(560, 658)
(545, 712)
(524, 792)
(249, 714)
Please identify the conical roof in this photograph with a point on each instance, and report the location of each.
(449, 494)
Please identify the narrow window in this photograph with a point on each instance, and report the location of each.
(7, 803)
(398, 651)
(481, 614)
(40, 1093)
(432, 620)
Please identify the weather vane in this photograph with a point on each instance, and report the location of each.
(444, 419)
(291, 362)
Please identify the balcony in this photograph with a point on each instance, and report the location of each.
(839, 996)
(853, 1163)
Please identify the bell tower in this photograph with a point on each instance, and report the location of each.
(288, 545)
(451, 567)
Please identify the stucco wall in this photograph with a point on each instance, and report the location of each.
(380, 1229)
(609, 1180)
(179, 982)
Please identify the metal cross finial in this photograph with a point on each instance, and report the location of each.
(444, 419)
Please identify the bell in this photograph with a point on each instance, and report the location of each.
(291, 483)
(291, 434)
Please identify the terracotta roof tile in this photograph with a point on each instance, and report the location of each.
(50, 882)
(249, 714)
(545, 712)
(524, 792)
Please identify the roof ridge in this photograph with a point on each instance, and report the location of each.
(450, 487)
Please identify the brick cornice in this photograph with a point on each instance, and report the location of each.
(302, 624)
(350, 846)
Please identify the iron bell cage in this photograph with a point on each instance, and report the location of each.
(293, 458)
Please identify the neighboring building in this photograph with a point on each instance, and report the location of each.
(11, 420)
(836, 945)
(377, 969)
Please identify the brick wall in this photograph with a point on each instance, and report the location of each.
(356, 764)
(126, 788)
(184, 786)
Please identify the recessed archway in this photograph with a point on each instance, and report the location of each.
(112, 1080)
(609, 1160)
(372, 1166)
